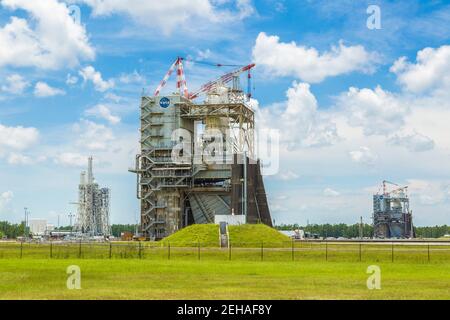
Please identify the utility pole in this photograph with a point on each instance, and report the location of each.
(71, 215)
(361, 233)
(136, 227)
(25, 223)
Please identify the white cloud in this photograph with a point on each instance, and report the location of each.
(429, 192)
(287, 175)
(5, 199)
(15, 158)
(93, 136)
(363, 156)
(328, 192)
(307, 64)
(376, 111)
(170, 15)
(133, 77)
(431, 70)
(16, 84)
(414, 142)
(90, 74)
(43, 90)
(298, 119)
(17, 138)
(55, 41)
(19, 159)
(244, 8)
(102, 111)
(113, 97)
(70, 159)
(203, 54)
(71, 80)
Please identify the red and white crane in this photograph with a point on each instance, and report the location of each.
(181, 80)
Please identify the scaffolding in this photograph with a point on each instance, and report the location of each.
(187, 171)
(392, 217)
(93, 206)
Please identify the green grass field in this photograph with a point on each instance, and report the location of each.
(261, 264)
(180, 279)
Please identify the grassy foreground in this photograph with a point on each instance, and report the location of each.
(161, 279)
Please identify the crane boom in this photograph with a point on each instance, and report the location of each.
(394, 184)
(181, 81)
(223, 79)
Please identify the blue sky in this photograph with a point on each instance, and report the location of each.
(351, 111)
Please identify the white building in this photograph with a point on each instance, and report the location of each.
(38, 227)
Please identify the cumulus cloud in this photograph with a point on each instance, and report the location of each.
(429, 192)
(5, 199)
(298, 119)
(431, 70)
(93, 136)
(90, 74)
(17, 138)
(43, 90)
(102, 111)
(55, 41)
(307, 64)
(414, 142)
(69, 159)
(15, 84)
(376, 111)
(169, 15)
(363, 156)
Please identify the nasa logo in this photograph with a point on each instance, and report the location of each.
(164, 102)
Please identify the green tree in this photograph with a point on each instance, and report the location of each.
(117, 229)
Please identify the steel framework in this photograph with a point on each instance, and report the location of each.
(392, 217)
(174, 194)
(93, 206)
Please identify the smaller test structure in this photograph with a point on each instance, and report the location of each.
(392, 217)
(93, 206)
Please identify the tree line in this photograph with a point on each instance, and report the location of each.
(352, 231)
(11, 230)
(14, 230)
